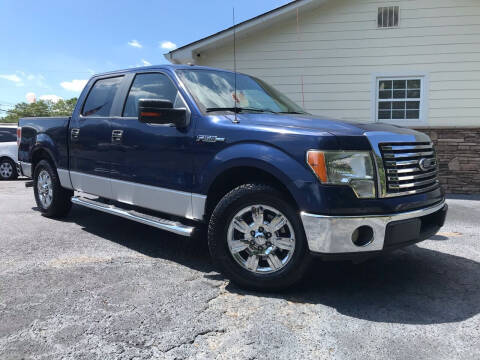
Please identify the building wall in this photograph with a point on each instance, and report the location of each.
(338, 50)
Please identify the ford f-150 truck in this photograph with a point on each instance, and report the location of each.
(186, 147)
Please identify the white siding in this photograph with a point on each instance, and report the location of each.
(339, 49)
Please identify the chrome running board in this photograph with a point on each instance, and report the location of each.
(163, 224)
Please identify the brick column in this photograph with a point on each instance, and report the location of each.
(458, 152)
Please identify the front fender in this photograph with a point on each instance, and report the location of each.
(296, 177)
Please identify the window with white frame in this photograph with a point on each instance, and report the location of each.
(399, 99)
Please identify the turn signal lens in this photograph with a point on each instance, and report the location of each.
(316, 160)
(150, 114)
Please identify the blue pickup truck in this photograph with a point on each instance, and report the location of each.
(183, 148)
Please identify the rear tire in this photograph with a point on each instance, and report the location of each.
(8, 169)
(256, 239)
(52, 199)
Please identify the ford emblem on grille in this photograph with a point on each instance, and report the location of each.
(426, 164)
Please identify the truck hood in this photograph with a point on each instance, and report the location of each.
(322, 124)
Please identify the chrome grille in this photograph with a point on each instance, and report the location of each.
(403, 172)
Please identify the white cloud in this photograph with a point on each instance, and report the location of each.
(168, 45)
(74, 85)
(31, 98)
(146, 63)
(52, 98)
(11, 77)
(135, 43)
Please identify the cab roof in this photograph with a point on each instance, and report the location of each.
(159, 67)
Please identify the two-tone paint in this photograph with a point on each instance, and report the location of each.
(167, 169)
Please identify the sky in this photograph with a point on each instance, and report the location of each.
(50, 48)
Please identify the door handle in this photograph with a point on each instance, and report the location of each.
(74, 133)
(117, 135)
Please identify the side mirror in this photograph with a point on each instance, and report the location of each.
(158, 111)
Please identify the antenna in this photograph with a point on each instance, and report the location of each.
(300, 53)
(234, 66)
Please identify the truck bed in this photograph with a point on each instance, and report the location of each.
(51, 133)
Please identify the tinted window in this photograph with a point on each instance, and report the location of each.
(150, 86)
(8, 134)
(100, 99)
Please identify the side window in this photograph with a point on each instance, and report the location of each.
(100, 99)
(8, 135)
(150, 86)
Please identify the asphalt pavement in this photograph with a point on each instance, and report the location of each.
(94, 286)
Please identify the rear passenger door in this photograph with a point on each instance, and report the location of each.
(90, 137)
(152, 166)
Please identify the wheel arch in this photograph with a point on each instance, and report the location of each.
(251, 162)
(2, 157)
(42, 153)
(234, 176)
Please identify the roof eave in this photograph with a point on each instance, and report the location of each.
(179, 56)
(187, 53)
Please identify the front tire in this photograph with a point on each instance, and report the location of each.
(257, 240)
(8, 169)
(52, 199)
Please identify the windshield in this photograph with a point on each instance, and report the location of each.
(214, 90)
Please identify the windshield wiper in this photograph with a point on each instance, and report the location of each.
(292, 112)
(238, 109)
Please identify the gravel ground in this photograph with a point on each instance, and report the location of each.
(94, 286)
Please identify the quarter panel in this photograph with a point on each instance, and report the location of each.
(10, 150)
(49, 134)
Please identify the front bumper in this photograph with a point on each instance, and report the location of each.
(333, 234)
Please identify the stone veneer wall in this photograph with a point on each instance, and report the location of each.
(458, 152)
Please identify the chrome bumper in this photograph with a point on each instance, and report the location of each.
(333, 234)
(25, 169)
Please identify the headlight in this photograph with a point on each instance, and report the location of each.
(353, 168)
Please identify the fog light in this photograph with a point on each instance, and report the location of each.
(362, 236)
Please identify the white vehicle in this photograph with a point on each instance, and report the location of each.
(8, 152)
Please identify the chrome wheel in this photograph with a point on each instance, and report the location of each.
(6, 170)
(261, 239)
(45, 189)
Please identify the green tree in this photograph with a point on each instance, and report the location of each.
(40, 108)
(63, 107)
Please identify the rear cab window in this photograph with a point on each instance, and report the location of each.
(100, 98)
